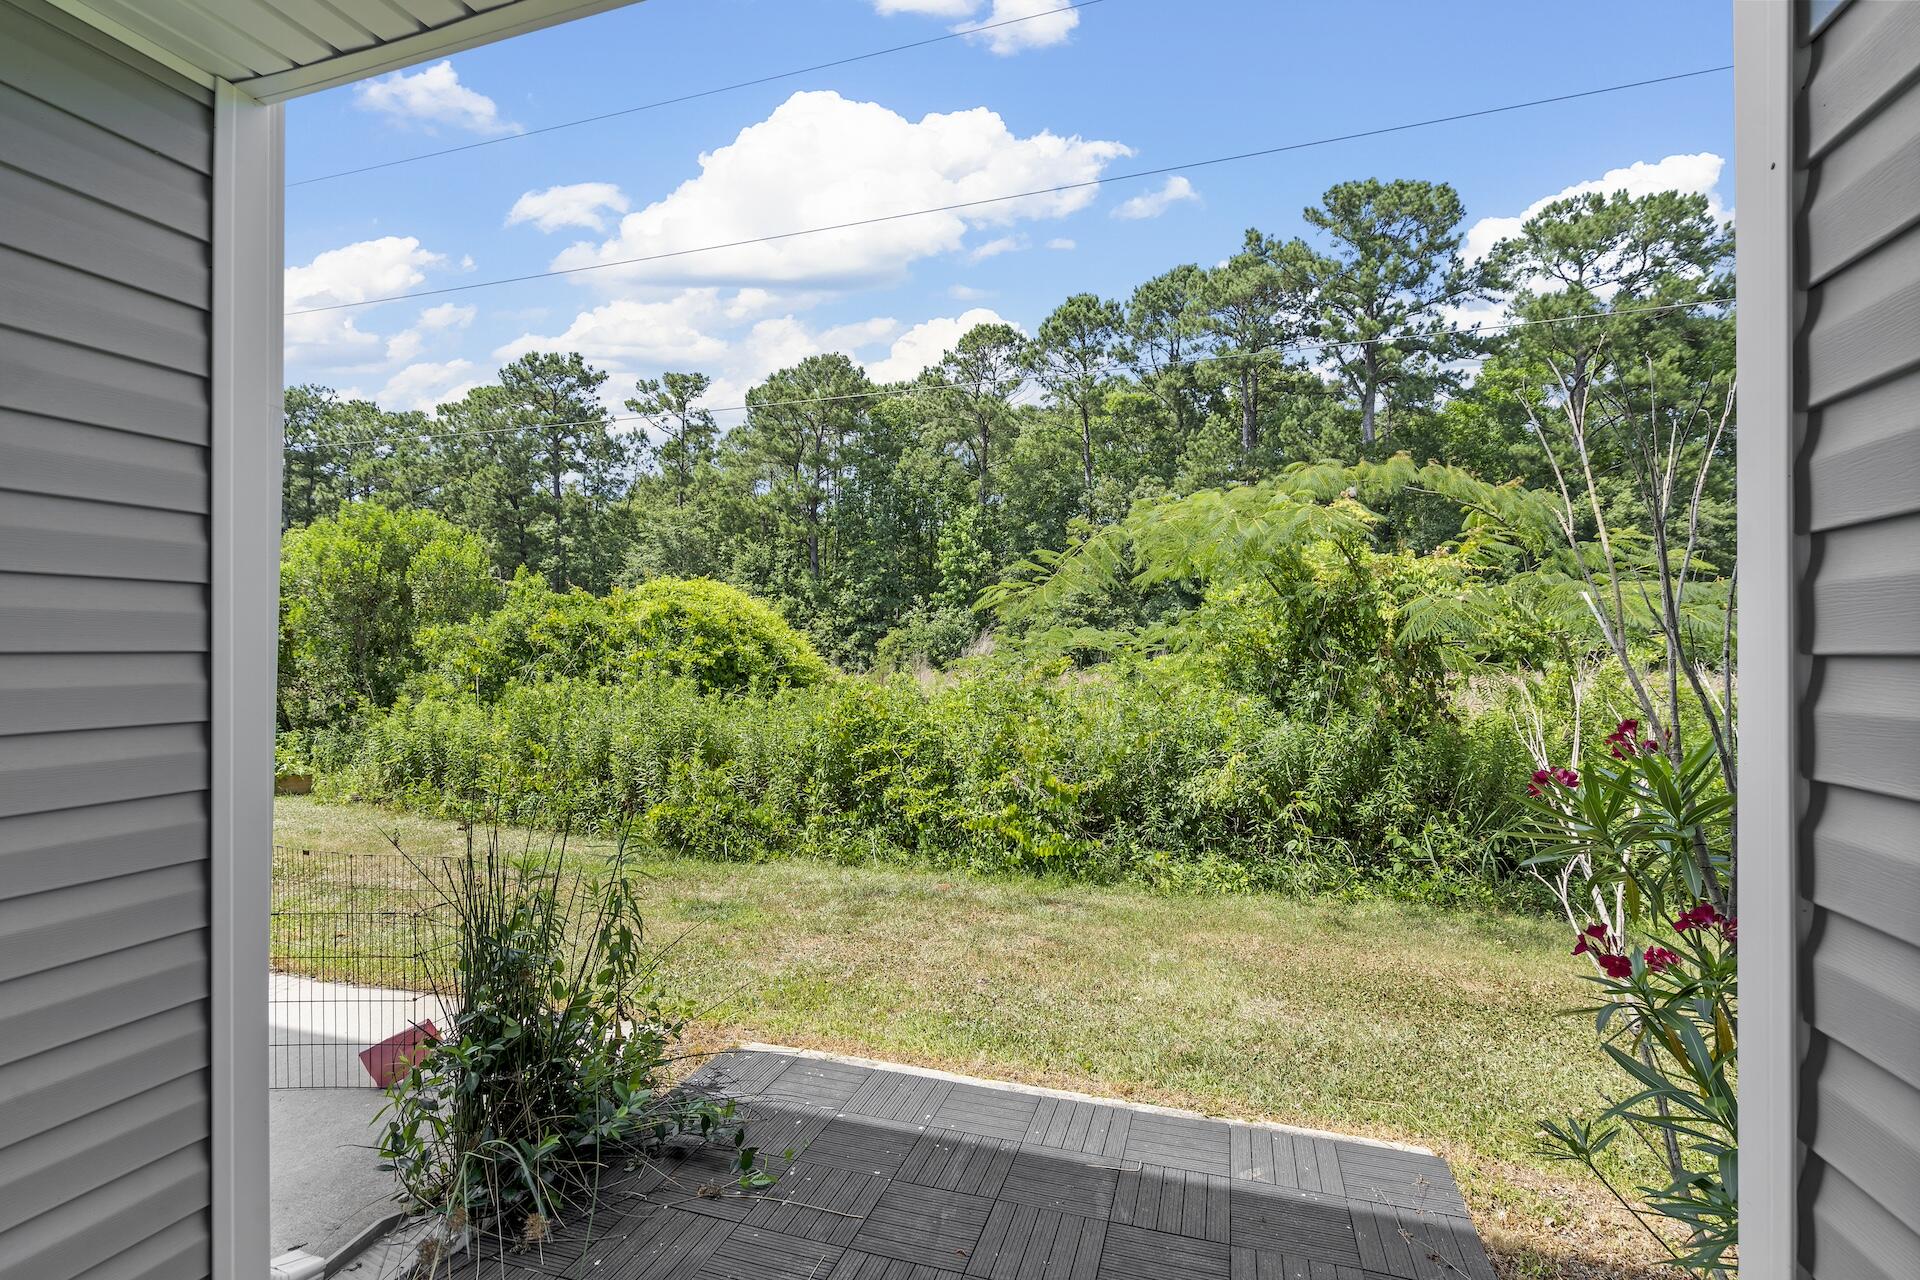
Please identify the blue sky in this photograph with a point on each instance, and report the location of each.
(1064, 97)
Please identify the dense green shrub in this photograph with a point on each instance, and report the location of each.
(1144, 775)
(928, 636)
(716, 635)
(354, 587)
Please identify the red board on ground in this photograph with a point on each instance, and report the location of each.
(393, 1057)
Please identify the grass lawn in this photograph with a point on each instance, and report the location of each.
(1440, 1027)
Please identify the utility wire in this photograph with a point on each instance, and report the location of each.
(919, 388)
(703, 93)
(1132, 176)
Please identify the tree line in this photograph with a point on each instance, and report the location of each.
(859, 508)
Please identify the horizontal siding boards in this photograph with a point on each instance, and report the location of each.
(1866, 589)
(1866, 56)
(51, 692)
(1859, 251)
(37, 1175)
(67, 460)
(65, 1085)
(67, 151)
(1866, 725)
(1863, 989)
(1854, 1237)
(64, 926)
(38, 57)
(50, 613)
(105, 349)
(1866, 862)
(87, 310)
(95, 539)
(1868, 1125)
(183, 1251)
(1864, 461)
(1864, 322)
(1869, 190)
(43, 375)
(58, 1006)
(41, 772)
(98, 1225)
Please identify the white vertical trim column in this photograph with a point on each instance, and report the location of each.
(248, 178)
(1771, 790)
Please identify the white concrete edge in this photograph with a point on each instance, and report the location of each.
(1068, 1095)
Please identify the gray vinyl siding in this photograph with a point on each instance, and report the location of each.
(1859, 500)
(105, 283)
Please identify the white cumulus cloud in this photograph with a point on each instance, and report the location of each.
(424, 385)
(925, 343)
(670, 333)
(351, 273)
(1693, 174)
(578, 204)
(1047, 22)
(1151, 204)
(431, 97)
(927, 8)
(448, 315)
(995, 247)
(1060, 244)
(819, 160)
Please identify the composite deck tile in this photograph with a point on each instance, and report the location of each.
(1178, 1201)
(1262, 1264)
(1285, 1220)
(925, 1226)
(990, 1113)
(1264, 1155)
(870, 1266)
(956, 1161)
(817, 1203)
(861, 1144)
(1073, 1125)
(706, 1183)
(1056, 1180)
(1179, 1142)
(1135, 1253)
(1316, 1165)
(901, 1176)
(899, 1095)
(752, 1254)
(668, 1246)
(738, 1073)
(781, 1132)
(1022, 1242)
(1410, 1245)
(1406, 1180)
(816, 1081)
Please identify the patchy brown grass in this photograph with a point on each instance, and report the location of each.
(1388, 1020)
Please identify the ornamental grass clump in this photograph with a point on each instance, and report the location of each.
(1637, 850)
(554, 1072)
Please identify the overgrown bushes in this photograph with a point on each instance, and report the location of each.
(1144, 776)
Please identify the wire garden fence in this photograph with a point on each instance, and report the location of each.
(355, 947)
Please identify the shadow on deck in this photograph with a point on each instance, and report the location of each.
(894, 1174)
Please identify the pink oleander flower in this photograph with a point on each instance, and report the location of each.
(1659, 959)
(1616, 966)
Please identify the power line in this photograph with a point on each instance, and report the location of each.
(703, 93)
(920, 388)
(1132, 176)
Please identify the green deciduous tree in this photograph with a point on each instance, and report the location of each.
(354, 589)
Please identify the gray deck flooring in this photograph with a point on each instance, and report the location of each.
(894, 1175)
